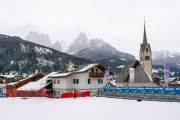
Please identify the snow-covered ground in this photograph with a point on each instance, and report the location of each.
(90, 108)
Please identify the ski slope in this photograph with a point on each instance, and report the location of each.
(90, 108)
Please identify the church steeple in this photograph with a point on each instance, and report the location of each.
(144, 36)
(145, 54)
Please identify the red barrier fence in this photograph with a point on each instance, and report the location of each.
(30, 93)
(78, 94)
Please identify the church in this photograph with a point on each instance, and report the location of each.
(142, 68)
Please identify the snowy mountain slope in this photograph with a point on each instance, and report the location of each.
(102, 52)
(162, 57)
(20, 55)
(166, 57)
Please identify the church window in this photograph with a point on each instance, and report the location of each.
(141, 58)
(146, 49)
(147, 58)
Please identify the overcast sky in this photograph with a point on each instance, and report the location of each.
(118, 22)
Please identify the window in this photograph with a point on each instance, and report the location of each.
(96, 70)
(89, 81)
(76, 81)
(58, 92)
(54, 81)
(141, 58)
(58, 82)
(92, 70)
(100, 81)
(146, 57)
(54, 92)
(146, 49)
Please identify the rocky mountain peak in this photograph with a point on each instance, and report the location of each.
(78, 44)
(82, 38)
(57, 46)
(39, 38)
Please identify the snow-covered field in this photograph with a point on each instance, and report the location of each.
(90, 108)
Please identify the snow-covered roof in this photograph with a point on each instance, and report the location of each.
(61, 74)
(13, 83)
(37, 85)
(79, 71)
(7, 76)
(87, 67)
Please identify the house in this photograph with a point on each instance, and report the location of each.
(10, 87)
(36, 88)
(141, 77)
(88, 78)
(10, 78)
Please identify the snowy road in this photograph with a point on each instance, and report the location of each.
(86, 109)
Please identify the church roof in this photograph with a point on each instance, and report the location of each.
(139, 76)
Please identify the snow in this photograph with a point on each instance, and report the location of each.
(44, 62)
(71, 53)
(92, 108)
(121, 66)
(13, 83)
(36, 85)
(123, 59)
(41, 50)
(23, 47)
(11, 62)
(69, 73)
(7, 76)
(60, 74)
(155, 70)
(87, 67)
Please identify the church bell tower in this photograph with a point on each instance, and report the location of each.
(145, 54)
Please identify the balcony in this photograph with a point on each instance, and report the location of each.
(96, 74)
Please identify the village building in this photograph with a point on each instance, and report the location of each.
(142, 68)
(10, 87)
(9, 78)
(87, 78)
(141, 77)
(34, 88)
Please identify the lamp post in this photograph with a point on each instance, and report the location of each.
(123, 76)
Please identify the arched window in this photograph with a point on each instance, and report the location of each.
(147, 58)
(146, 49)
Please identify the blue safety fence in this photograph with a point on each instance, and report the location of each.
(2, 95)
(144, 90)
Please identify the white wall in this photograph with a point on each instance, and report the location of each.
(2, 89)
(59, 88)
(68, 83)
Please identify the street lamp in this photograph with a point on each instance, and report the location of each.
(123, 76)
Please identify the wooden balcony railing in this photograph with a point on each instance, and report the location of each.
(96, 74)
